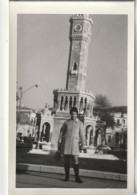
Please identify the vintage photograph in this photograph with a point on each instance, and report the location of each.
(72, 101)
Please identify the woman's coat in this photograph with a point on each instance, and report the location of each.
(71, 133)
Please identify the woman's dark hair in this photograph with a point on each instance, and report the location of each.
(73, 109)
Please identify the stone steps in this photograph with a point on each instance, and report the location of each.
(81, 155)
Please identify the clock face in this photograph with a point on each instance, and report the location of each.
(78, 27)
(76, 46)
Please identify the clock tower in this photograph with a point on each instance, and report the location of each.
(80, 33)
(75, 94)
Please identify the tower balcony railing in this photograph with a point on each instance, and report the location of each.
(69, 91)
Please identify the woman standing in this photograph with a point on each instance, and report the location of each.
(68, 143)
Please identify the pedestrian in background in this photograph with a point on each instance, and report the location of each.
(68, 143)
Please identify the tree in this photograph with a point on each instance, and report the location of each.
(105, 118)
(101, 101)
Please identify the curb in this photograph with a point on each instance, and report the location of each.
(83, 172)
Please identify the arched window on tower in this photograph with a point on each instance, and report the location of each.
(66, 103)
(85, 102)
(81, 105)
(74, 103)
(70, 102)
(62, 101)
(75, 66)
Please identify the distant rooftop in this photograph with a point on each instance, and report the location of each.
(120, 109)
(25, 108)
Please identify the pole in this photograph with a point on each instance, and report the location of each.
(20, 99)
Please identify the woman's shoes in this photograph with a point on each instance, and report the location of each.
(76, 170)
(78, 180)
(66, 179)
(67, 167)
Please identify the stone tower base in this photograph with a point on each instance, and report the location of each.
(55, 123)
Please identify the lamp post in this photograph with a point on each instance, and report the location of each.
(22, 92)
(21, 96)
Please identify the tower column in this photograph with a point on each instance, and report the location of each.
(67, 105)
(70, 102)
(62, 103)
(78, 104)
(59, 102)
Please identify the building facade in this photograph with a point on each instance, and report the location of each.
(25, 122)
(117, 137)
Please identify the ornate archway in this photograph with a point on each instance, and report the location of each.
(89, 135)
(45, 133)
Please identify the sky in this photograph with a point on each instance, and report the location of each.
(43, 53)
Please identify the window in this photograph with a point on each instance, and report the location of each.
(75, 66)
(118, 122)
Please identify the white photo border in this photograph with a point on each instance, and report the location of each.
(69, 8)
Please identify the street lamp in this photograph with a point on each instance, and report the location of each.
(22, 92)
(21, 96)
